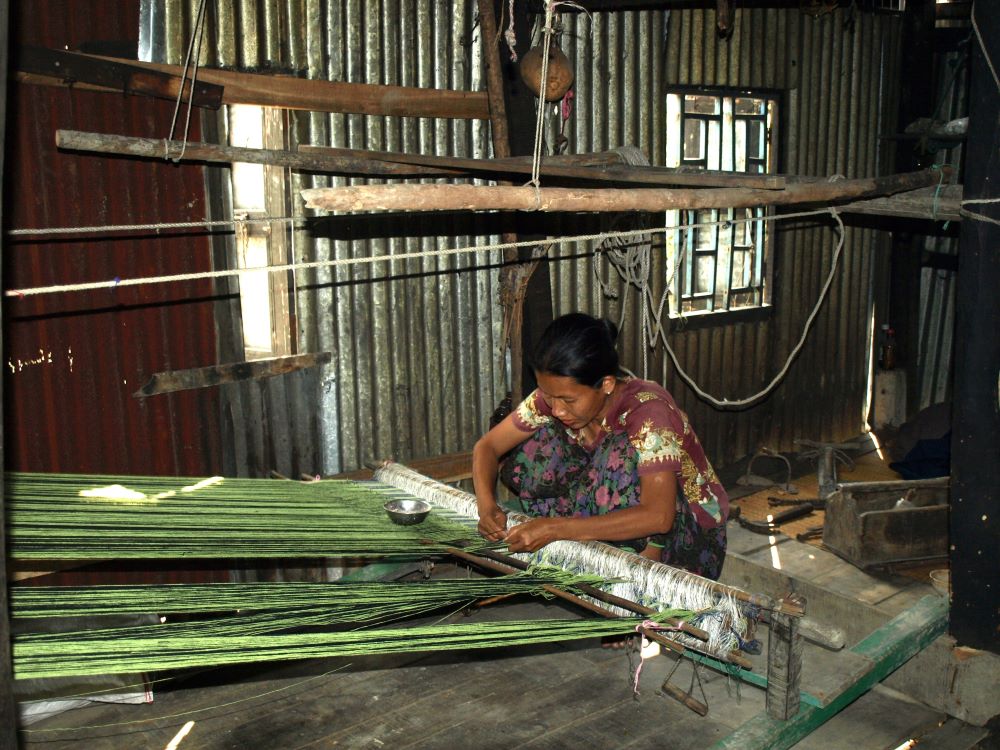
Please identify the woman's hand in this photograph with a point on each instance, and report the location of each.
(493, 523)
(534, 534)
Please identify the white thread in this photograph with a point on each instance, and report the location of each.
(543, 87)
(982, 45)
(635, 578)
(30, 291)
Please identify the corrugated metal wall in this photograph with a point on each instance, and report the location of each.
(73, 360)
(837, 83)
(416, 370)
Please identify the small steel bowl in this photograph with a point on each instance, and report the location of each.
(407, 512)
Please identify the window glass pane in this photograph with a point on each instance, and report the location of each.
(702, 105)
(694, 140)
(749, 106)
(704, 272)
(255, 293)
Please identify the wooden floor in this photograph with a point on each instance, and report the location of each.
(572, 695)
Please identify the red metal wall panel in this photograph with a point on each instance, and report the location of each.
(73, 359)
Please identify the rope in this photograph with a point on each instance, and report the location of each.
(725, 403)
(118, 282)
(95, 229)
(982, 45)
(196, 33)
(543, 87)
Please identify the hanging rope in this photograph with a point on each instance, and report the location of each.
(194, 46)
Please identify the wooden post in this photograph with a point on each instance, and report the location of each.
(8, 710)
(510, 301)
(975, 470)
(784, 665)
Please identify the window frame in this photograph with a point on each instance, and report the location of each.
(682, 287)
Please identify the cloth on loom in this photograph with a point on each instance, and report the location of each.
(555, 473)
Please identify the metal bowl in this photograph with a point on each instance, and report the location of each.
(407, 512)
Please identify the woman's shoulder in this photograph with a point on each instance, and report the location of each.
(643, 399)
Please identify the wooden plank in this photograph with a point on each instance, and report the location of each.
(556, 167)
(931, 203)
(151, 148)
(73, 68)
(204, 377)
(8, 710)
(397, 197)
(888, 647)
(289, 92)
(446, 468)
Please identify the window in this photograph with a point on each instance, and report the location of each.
(260, 191)
(722, 265)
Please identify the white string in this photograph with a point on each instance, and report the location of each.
(631, 576)
(95, 229)
(989, 62)
(543, 87)
(725, 403)
(982, 45)
(113, 283)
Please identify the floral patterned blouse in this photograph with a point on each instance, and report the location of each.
(662, 437)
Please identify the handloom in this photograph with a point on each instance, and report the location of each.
(78, 517)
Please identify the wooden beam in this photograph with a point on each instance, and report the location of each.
(194, 151)
(975, 471)
(931, 203)
(450, 467)
(291, 92)
(8, 708)
(889, 648)
(555, 167)
(72, 68)
(204, 377)
(602, 200)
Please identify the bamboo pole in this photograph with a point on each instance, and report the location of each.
(361, 198)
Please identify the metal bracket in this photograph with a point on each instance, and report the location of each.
(700, 707)
(749, 479)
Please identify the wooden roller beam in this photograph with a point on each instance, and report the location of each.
(360, 198)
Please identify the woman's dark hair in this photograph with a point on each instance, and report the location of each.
(578, 346)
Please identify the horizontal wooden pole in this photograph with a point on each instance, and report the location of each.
(291, 92)
(203, 377)
(553, 167)
(361, 198)
(195, 151)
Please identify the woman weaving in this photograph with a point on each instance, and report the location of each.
(599, 456)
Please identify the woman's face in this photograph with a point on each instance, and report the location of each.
(573, 404)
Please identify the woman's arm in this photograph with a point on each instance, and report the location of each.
(485, 466)
(653, 515)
